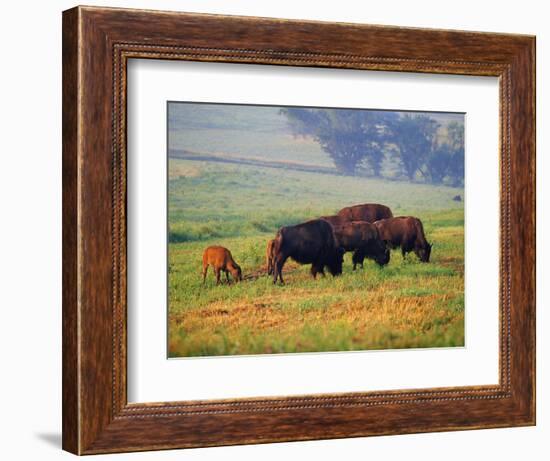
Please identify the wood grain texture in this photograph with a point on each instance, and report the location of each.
(70, 383)
(97, 43)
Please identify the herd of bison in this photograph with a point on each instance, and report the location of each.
(368, 230)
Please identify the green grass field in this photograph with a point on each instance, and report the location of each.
(405, 304)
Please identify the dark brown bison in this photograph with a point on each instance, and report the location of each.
(335, 220)
(369, 212)
(406, 232)
(220, 259)
(312, 242)
(364, 240)
(269, 256)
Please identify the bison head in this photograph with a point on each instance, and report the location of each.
(384, 258)
(424, 253)
(382, 253)
(237, 273)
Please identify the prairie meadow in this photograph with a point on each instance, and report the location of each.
(404, 304)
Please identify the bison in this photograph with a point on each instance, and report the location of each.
(335, 220)
(369, 212)
(220, 259)
(269, 256)
(364, 240)
(406, 232)
(312, 242)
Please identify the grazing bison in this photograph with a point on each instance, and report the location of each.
(364, 240)
(406, 232)
(312, 242)
(369, 212)
(269, 256)
(220, 259)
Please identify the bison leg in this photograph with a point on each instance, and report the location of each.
(317, 268)
(358, 258)
(407, 245)
(314, 271)
(278, 269)
(280, 274)
(406, 248)
(204, 271)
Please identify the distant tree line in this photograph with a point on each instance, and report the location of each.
(361, 140)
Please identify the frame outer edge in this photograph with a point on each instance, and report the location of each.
(523, 233)
(70, 189)
(533, 51)
(90, 422)
(532, 56)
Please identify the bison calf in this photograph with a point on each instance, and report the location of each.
(220, 259)
(312, 242)
(406, 232)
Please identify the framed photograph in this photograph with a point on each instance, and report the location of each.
(280, 230)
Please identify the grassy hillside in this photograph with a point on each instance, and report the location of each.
(210, 200)
(244, 131)
(405, 304)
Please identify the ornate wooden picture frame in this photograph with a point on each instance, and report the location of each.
(97, 44)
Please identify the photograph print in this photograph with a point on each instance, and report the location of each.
(313, 229)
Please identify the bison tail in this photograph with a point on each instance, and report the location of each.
(278, 241)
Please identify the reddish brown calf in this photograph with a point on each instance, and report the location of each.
(220, 259)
